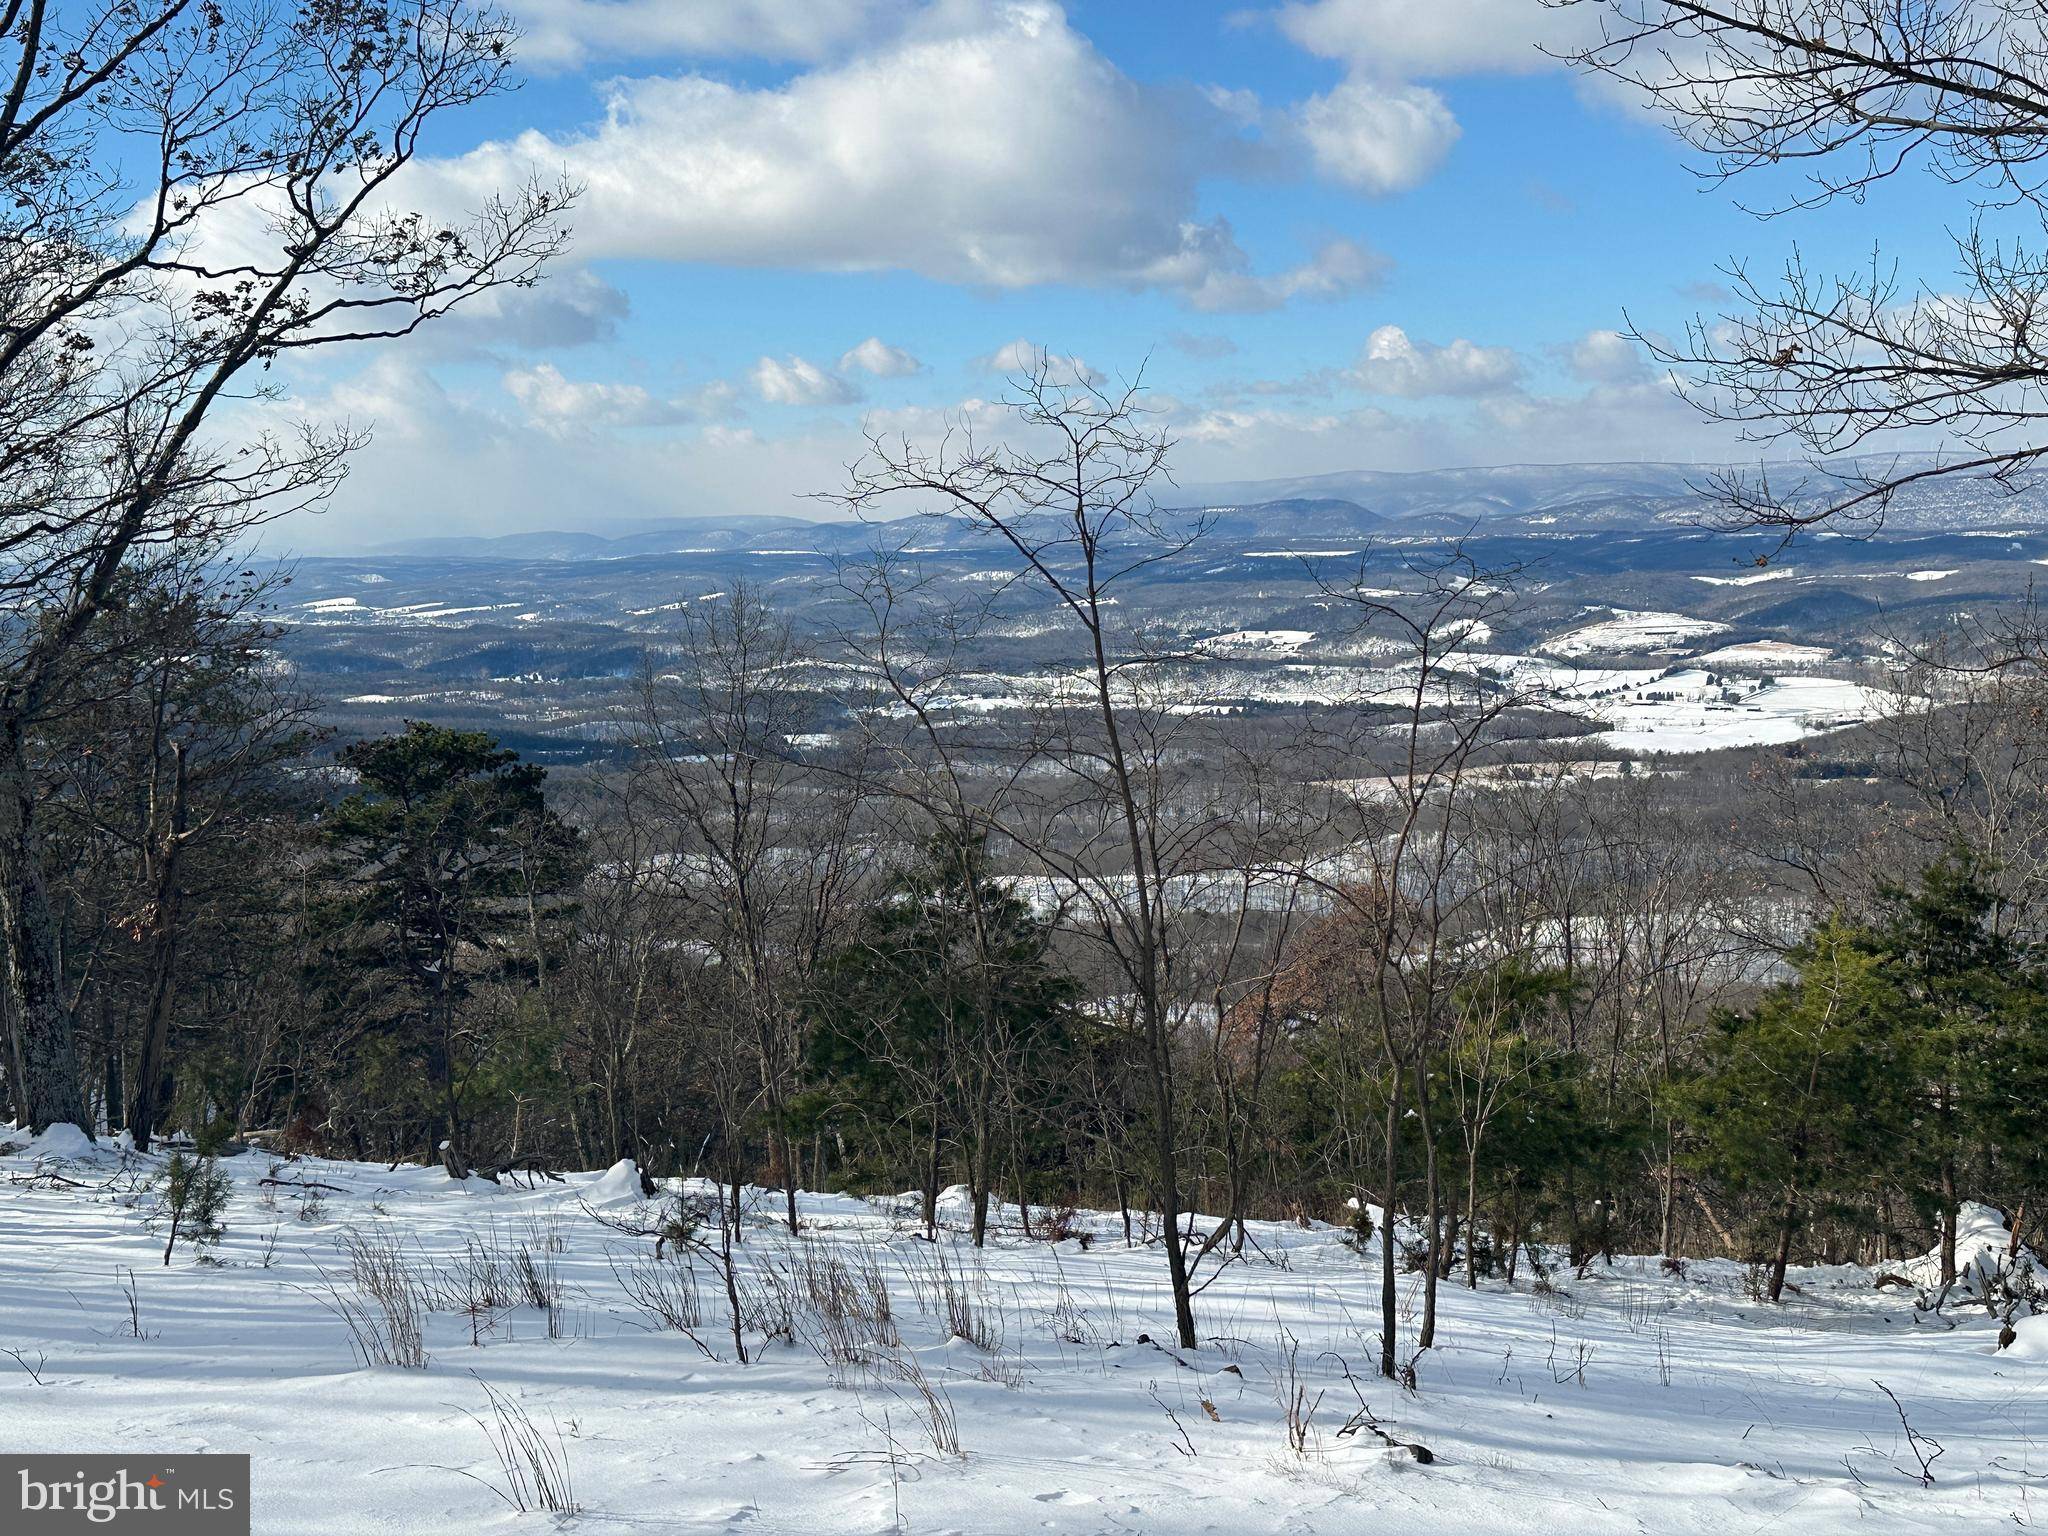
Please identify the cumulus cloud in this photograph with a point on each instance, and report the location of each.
(1392, 363)
(1215, 276)
(799, 381)
(984, 142)
(1607, 357)
(1380, 131)
(1026, 356)
(877, 357)
(1376, 136)
(561, 405)
(573, 307)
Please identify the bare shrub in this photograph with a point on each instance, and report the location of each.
(662, 1290)
(384, 1306)
(1291, 1392)
(535, 1277)
(933, 1407)
(956, 1294)
(533, 1464)
(1003, 1371)
(846, 1302)
(474, 1283)
(1063, 1222)
(131, 1297)
(769, 1303)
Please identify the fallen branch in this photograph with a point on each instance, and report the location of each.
(1915, 1441)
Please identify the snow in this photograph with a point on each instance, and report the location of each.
(1682, 713)
(1630, 630)
(1284, 641)
(1676, 709)
(2031, 1341)
(1746, 581)
(1929, 575)
(61, 1141)
(619, 1185)
(1983, 1241)
(1626, 1400)
(1781, 654)
(1298, 554)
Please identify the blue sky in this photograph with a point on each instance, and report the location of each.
(1337, 234)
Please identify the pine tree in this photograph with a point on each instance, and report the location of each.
(437, 868)
(192, 1195)
(943, 1000)
(1801, 1100)
(1978, 1008)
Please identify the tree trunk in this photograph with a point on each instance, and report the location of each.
(51, 1089)
(1783, 1256)
(1167, 1155)
(931, 1184)
(441, 1071)
(1390, 1316)
(152, 1069)
(1472, 1216)
(1948, 1221)
(1427, 1337)
(981, 1190)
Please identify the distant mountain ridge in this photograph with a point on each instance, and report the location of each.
(1348, 505)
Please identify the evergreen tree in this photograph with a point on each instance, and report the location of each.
(1802, 1100)
(1978, 1010)
(930, 1018)
(439, 867)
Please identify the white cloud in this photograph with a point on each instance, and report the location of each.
(1026, 356)
(1404, 39)
(1394, 364)
(485, 470)
(1214, 275)
(987, 142)
(1376, 136)
(562, 405)
(1607, 357)
(1380, 131)
(877, 357)
(570, 307)
(562, 34)
(799, 381)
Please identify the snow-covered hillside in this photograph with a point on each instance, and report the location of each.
(1626, 1400)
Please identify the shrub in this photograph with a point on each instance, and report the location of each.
(192, 1194)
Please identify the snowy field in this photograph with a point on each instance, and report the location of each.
(1627, 1400)
(1667, 634)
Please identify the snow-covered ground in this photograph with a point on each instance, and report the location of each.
(1630, 631)
(1682, 712)
(1628, 1400)
(1782, 655)
(1282, 641)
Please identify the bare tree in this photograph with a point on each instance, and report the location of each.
(1850, 93)
(191, 190)
(1071, 502)
(761, 852)
(1400, 899)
